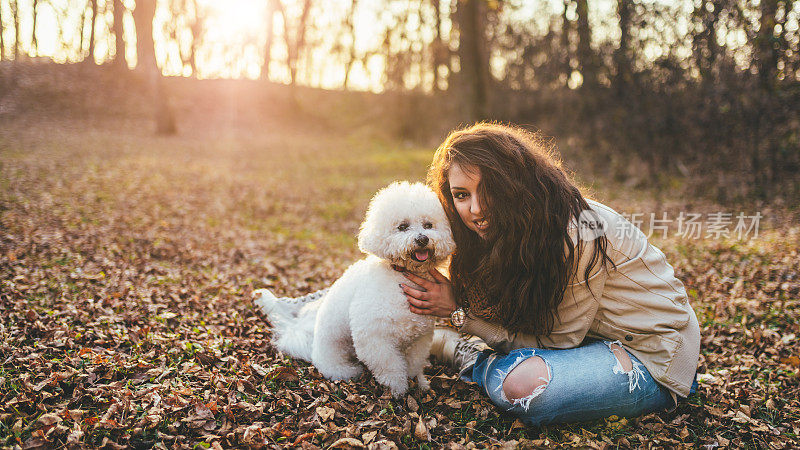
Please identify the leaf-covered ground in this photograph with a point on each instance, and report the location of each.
(127, 264)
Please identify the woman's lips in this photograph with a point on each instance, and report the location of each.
(481, 224)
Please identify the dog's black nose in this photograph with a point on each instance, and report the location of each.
(421, 240)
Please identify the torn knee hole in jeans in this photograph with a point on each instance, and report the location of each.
(634, 373)
(524, 386)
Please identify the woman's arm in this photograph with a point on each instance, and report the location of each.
(575, 313)
(496, 336)
(575, 316)
(437, 299)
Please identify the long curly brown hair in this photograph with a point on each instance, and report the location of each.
(527, 258)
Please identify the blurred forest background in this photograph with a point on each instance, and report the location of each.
(701, 93)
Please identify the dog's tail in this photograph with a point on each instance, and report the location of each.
(292, 321)
(277, 310)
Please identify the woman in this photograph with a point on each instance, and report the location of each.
(585, 319)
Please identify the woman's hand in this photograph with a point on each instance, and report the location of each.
(436, 298)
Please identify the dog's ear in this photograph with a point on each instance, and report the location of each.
(445, 245)
(372, 236)
(367, 239)
(368, 234)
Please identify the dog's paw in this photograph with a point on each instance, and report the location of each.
(398, 388)
(338, 372)
(423, 383)
(346, 372)
(399, 394)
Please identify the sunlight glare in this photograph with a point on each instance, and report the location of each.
(234, 17)
(232, 27)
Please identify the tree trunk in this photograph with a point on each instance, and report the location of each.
(15, 13)
(2, 42)
(271, 10)
(146, 64)
(705, 40)
(622, 57)
(301, 38)
(145, 47)
(287, 37)
(421, 68)
(83, 29)
(90, 58)
(196, 29)
(34, 41)
(120, 61)
(293, 49)
(165, 116)
(789, 67)
(352, 31)
(566, 31)
(438, 46)
(766, 53)
(474, 57)
(586, 57)
(767, 56)
(386, 48)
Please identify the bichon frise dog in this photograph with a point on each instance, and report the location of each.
(364, 316)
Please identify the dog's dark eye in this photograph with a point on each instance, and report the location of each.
(403, 226)
(427, 225)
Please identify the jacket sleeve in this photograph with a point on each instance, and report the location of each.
(575, 316)
(493, 334)
(575, 313)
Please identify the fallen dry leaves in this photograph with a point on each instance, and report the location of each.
(126, 268)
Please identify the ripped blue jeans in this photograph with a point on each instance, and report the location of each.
(584, 383)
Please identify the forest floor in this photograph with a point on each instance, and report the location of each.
(127, 264)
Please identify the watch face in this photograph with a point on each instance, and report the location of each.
(458, 317)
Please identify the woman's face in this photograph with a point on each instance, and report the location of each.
(464, 189)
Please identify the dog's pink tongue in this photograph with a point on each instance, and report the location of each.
(421, 255)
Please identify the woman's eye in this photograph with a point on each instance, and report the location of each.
(403, 226)
(427, 225)
(460, 195)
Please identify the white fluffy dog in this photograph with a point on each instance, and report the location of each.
(364, 316)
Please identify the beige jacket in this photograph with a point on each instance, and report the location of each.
(641, 304)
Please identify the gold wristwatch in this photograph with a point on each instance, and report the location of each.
(458, 317)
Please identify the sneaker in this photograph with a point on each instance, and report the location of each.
(451, 348)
